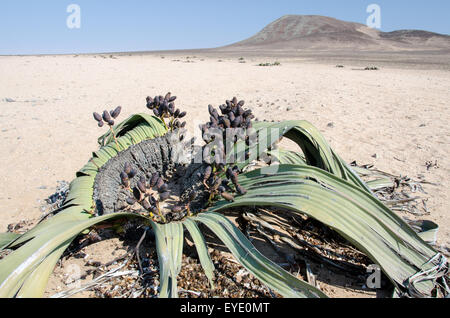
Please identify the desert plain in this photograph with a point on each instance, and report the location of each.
(396, 118)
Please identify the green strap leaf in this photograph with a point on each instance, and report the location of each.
(380, 183)
(261, 267)
(289, 157)
(169, 246)
(354, 213)
(7, 238)
(202, 249)
(36, 282)
(316, 150)
(16, 267)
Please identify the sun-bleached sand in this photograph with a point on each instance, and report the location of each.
(48, 133)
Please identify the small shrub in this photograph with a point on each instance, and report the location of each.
(270, 64)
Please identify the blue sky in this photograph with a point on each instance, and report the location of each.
(39, 27)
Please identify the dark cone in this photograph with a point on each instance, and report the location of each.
(234, 178)
(213, 120)
(132, 173)
(247, 114)
(182, 115)
(236, 122)
(100, 124)
(127, 168)
(116, 112)
(223, 109)
(141, 186)
(171, 109)
(211, 110)
(154, 179)
(215, 115)
(226, 123)
(137, 194)
(216, 184)
(124, 179)
(146, 205)
(123, 175)
(164, 196)
(97, 117)
(227, 196)
(159, 183)
(131, 201)
(163, 188)
(106, 116)
(210, 181)
(207, 173)
(164, 109)
(241, 190)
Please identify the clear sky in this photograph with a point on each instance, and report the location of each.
(39, 27)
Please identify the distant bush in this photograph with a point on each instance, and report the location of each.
(270, 64)
(371, 68)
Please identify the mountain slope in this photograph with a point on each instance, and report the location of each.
(303, 32)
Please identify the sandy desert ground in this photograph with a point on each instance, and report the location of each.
(399, 113)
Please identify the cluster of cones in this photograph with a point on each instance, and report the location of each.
(164, 108)
(107, 117)
(234, 122)
(149, 193)
(219, 178)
